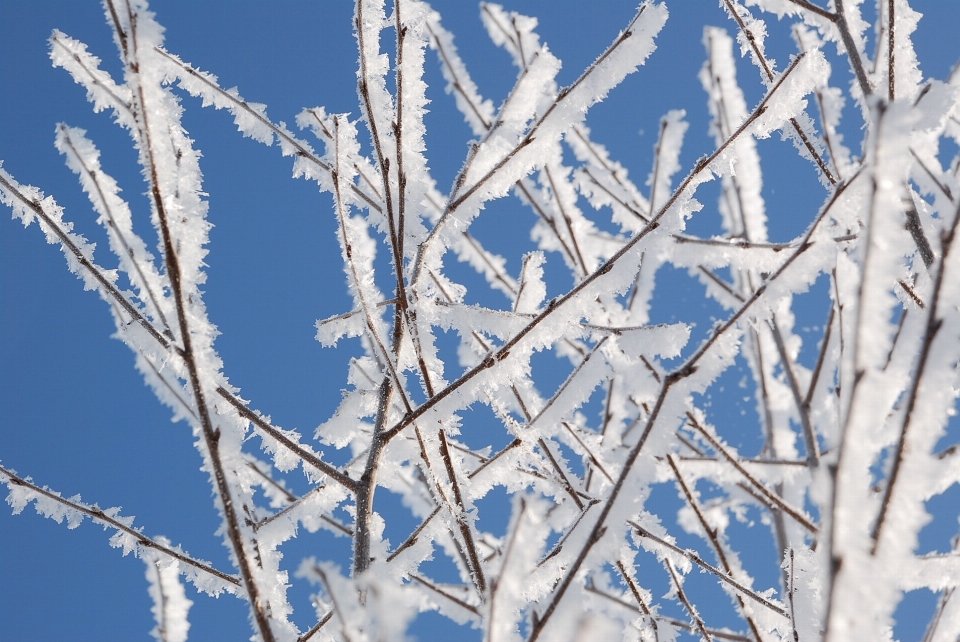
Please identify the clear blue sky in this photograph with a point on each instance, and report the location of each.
(78, 418)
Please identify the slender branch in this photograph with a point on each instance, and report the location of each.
(809, 436)
(635, 591)
(745, 460)
(791, 589)
(95, 271)
(211, 435)
(162, 624)
(290, 497)
(559, 545)
(308, 457)
(577, 258)
(410, 541)
(678, 587)
(916, 228)
(313, 630)
(513, 444)
(630, 208)
(438, 591)
(772, 497)
(460, 515)
(562, 476)
(943, 188)
(699, 561)
(97, 514)
(812, 8)
(590, 455)
(734, 242)
(930, 332)
(714, 538)
(111, 221)
(91, 78)
(287, 509)
(456, 81)
(840, 19)
(891, 50)
(821, 358)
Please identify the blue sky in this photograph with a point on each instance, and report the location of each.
(78, 418)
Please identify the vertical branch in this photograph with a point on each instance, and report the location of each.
(577, 258)
(714, 537)
(401, 312)
(211, 435)
(790, 591)
(367, 484)
(891, 49)
(461, 517)
(916, 381)
(809, 437)
(821, 357)
(853, 54)
(563, 478)
(401, 32)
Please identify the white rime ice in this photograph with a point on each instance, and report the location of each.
(170, 603)
(854, 442)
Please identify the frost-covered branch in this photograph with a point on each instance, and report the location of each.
(568, 406)
(52, 504)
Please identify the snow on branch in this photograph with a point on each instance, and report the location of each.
(524, 499)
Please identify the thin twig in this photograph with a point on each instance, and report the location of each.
(699, 561)
(438, 591)
(99, 515)
(809, 436)
(305, 455)
(313, 630)
(930, 332)
(460, 515)
(772, 497)
(714, 538)
(678, 587)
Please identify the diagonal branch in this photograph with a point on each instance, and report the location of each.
(809, 436)
(99, 515)
(303, 452)
(768, 72)
(934, 322)
(714, 538)
(460, 515)
(12, 188)
(572, 294)
(770, 496)
(699, 561)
